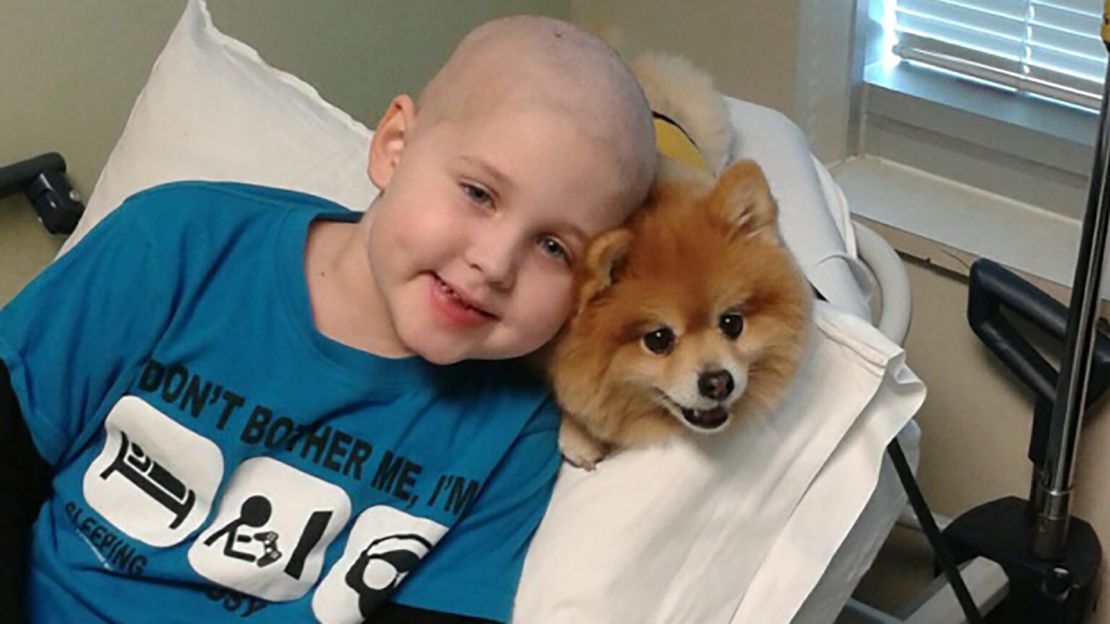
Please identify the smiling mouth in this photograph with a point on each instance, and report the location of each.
(707, 419)
(459, 299)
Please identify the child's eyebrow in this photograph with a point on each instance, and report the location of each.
(575, 233)
(502, 180)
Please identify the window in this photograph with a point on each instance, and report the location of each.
(1001, 95)
(1050, 48)
(957, 97)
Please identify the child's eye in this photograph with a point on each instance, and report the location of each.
(475, 193)
(555, 249)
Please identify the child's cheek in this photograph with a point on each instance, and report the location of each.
(551, 303)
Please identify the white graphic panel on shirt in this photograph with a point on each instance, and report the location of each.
(272, 527)
(155, 479)
(384, 545)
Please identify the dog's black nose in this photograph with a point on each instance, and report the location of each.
(715, 385)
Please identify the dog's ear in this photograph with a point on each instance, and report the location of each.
(743, 198)
(604, 257)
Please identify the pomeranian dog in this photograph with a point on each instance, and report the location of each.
(695, 312)
(687, 318)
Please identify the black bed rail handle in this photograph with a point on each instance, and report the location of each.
(993, 288)
(42, 179)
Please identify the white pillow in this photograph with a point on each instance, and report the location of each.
(813, 219)
(212, 109)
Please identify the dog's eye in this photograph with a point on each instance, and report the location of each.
(731, 324)
(659, 341)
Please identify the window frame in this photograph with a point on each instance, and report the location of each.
(955, 111)
(1012, 164)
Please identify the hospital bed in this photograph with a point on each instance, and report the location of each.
(775, 528)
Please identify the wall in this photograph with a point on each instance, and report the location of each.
(742, 44)
(790, 55)
(72, 69)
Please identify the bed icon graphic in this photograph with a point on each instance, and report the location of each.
(134, 464)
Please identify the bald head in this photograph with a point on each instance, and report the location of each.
(526, 62)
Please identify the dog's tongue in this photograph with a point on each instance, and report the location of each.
(706, 419)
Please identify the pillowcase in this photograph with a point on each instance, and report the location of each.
(813, 218)
(213, 109)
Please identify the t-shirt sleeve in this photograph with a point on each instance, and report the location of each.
(475, 569)
(72, 332)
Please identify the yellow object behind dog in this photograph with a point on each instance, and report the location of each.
(672, 141)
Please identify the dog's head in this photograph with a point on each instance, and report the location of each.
(692, 311)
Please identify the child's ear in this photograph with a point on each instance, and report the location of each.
(389, 140)
(743, 198)
(604, 257)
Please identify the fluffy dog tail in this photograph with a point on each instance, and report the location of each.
(683, 92)
(680, 90)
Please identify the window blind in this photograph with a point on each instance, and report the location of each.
(1047, 47)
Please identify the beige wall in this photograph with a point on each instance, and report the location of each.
(71, 70)
(747, 45)
(975, 420)
(790, 55)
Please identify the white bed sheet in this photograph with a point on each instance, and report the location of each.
(731, 528)
(863, 536)
(868, 508)
(858, 550)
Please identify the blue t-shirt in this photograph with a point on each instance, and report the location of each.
(216, 456)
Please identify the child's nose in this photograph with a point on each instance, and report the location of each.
(496, 257)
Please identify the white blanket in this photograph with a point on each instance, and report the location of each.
(692, 531)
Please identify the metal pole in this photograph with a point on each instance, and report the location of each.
(1050, 528)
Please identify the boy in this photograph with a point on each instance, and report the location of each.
(273, 409)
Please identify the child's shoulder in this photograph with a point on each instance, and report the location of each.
(205, 200)
(207, 221)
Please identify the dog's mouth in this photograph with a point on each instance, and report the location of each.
(704, 419)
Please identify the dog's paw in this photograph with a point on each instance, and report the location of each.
(584, 455)
(579, 447)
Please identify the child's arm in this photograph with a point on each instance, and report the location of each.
(24, 485)
(65, 339)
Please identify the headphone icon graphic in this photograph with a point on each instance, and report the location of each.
(381, 566)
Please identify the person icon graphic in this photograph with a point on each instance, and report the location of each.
(255, 512)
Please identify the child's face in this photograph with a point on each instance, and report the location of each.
(474, 238)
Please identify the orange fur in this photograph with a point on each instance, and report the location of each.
(699, 249)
